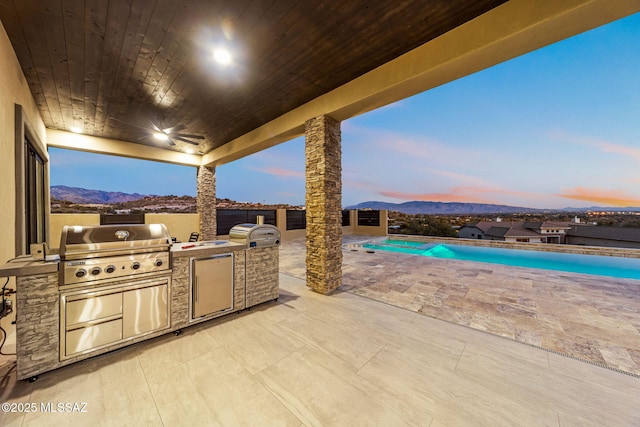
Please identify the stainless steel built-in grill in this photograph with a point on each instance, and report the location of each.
(255, 235)
(114, 286)
(262, 281)
(92, 253)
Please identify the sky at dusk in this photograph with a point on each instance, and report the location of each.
(555, 128)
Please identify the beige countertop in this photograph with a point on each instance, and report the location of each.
(195, 249)
(27, 266)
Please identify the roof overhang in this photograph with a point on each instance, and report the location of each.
(507, 31)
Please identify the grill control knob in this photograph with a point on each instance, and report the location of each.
(110, 269)
(135, 265)
(81, 273)
(159, 263)
(95, 271)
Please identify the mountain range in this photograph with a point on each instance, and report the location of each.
(85, 196)
(444, 208)
(459, 208)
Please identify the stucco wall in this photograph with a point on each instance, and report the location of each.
(180, 225)
(381, 230)
(13, 90)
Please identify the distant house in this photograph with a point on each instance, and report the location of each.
(517, 231)
(619, 237)
(571, 233)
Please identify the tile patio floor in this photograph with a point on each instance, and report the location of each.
(592, 318)
(341, 360)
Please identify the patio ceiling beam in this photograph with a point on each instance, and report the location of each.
(510, 30)
(92, 144)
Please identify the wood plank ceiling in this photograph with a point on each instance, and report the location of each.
(114, 67)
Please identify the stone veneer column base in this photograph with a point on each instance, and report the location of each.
(324, 204)
(206, 199)
(37, 324)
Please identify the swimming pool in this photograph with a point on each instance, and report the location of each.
(575, 263)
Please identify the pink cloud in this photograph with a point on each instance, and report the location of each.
(606, 146)
(471, 194)
(607, 197)
(281, 172)
(359, 184)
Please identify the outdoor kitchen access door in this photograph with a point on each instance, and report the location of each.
(212, 285)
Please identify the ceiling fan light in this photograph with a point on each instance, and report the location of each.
(222, 56)
(161, 136)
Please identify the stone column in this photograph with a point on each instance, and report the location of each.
(206, 199)
(324, 204)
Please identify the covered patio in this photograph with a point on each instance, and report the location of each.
(308, 359)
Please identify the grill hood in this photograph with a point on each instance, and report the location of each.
(81, 241)
(255, 235)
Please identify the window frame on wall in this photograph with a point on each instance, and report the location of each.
(32, 185)
(34, 178)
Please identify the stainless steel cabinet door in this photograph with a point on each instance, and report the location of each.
(212, 287)
(145, 310)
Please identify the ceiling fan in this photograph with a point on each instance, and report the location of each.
(169, 134)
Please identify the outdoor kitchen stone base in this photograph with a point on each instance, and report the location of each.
(180, 293)
(38, 313)
(263, 278)
(180, 282)
(37, 324)
(38, 327)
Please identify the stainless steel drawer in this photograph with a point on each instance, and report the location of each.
(93, 336)
(93, 308)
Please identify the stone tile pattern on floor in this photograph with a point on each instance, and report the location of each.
(593, 318)
(314, 360)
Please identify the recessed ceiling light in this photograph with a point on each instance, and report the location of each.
(189, 151)
(161, 136)
(222, 56)
(75, 129)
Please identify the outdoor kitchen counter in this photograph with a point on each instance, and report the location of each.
(181, 254)
(38, 303)
(198, 249)
(27, 266)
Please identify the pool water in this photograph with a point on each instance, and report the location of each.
(575, 263)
